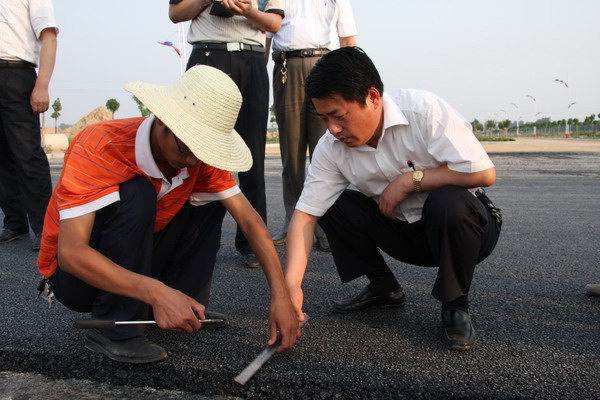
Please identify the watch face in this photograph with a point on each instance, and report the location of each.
(418, 175)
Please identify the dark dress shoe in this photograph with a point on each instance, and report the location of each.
(136, 350)
(323, 244)
(365, 299)
(8, 235)
(279, 238)
(250, 261)
(459, 333)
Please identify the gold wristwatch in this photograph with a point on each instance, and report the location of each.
(417, 177)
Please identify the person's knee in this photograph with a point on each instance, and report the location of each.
(139, 196)
(350, 203)
(452, 203)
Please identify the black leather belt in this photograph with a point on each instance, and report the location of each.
(231, 47)
(282, 55)
(15, 64)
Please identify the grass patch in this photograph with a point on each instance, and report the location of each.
(495, 139)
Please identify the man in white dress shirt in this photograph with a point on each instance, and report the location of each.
(418, 171)
(28, 32)
(308, 31)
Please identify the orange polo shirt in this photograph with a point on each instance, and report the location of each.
(103, 156)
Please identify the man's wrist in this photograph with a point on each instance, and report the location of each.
(417, 178)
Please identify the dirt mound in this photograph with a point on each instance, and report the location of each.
(97, 115)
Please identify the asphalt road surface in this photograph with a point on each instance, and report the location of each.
(539, 333)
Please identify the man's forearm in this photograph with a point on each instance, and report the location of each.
(186, 10)
(442, 176)
(265, 21)
(100, 272)
(299, 246)
(348, 41)
(47, 56)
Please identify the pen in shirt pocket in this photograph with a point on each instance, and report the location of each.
(410, 164)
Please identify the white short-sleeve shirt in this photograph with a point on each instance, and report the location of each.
(313, 24)
(209, 28)
(21, 24)
(418, 126)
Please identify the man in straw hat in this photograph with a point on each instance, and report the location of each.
(135, 221)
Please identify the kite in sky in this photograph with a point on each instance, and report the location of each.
(531, 97)
(170, 44)
(561, 81)
(571, 104)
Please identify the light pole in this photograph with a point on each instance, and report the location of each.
(535, 113)
(505, 117)
(568, 108)
(181, 39)
(566, 119)
(517, 107)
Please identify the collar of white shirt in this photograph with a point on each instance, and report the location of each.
(144, 159)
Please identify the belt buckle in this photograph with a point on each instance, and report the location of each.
(235, 46)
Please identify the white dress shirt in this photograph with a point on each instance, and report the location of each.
(313, 24)
(417, 126)
(21, 24)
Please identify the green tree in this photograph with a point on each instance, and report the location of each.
(57, 107)
(143, 109)
(504, 124)
(112, 105)
(477, 126)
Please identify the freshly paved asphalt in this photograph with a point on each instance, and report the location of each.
(539, 333)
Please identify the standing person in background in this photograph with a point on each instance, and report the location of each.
(229, 35)
(28, 33)
(305, 35)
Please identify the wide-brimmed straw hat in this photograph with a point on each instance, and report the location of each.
(201, 109)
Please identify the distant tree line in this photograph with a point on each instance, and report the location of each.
(590, 124)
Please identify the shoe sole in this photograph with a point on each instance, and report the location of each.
(16, 238)
(461, 348)
(96, 347)
(378, 306)
(323, 249)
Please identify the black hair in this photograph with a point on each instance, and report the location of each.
(347, 72)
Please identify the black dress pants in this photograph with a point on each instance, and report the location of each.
(182, 255)
(25, 184)
(455, 233)
(248, 70)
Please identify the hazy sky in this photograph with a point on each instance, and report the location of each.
(480, 55)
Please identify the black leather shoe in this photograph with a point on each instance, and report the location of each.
(8, 235)
(459, 333)
(365, 299)
(137, 350)
(250, 261)
(323, 244)
(279, 238)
